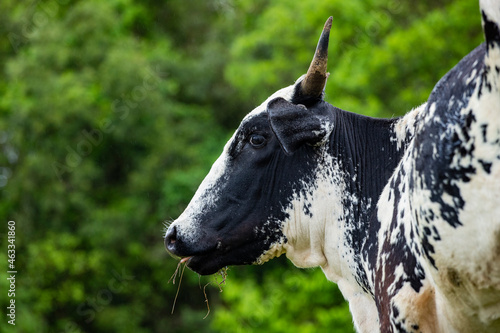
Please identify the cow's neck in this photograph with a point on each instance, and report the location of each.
(367, 152)
(361, 156)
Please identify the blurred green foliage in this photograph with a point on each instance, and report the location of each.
(111, 113)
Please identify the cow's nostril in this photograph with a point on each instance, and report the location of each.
(170, 237)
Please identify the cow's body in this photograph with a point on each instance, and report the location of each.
(441, 207)
(403, 214)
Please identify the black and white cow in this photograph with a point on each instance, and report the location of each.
(403, 214)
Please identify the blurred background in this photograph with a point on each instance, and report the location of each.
(112, 112)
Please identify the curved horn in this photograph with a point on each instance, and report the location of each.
(314, 82)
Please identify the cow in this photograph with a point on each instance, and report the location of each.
(403, 214)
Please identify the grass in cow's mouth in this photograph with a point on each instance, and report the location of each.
(222, 272)
(172, 278)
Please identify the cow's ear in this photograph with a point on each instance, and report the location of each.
(295, 125)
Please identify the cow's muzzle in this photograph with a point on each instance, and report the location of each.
(199, 258)
(181, 247)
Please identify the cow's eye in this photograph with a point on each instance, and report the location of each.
(257, 140)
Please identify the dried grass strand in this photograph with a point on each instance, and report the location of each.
(178, 287)
(206, 300)
(172, 278)
(222, 272)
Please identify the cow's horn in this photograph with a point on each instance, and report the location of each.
(314, 82)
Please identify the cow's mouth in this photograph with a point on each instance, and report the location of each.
(204, 260)
(204, 264)
(183, 260)
(212, 261)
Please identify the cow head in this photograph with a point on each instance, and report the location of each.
(237, 214)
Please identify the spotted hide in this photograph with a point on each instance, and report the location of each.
(403, 214)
